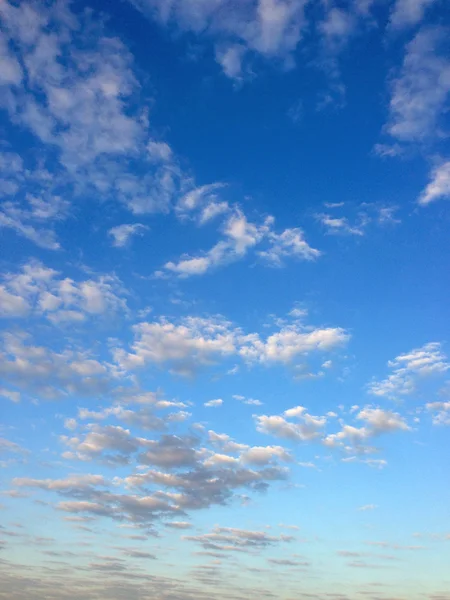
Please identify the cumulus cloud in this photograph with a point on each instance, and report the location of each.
(268, 28)
(214, 403)
(420, 92)
(441, 412)
(409, 369)
(43, 372)
(42, 291)
(309, 427)
(407, 13)
(438, 187)
(197, 341)
(122, 234)
(84, 114)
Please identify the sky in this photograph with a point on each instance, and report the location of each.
(224, 297)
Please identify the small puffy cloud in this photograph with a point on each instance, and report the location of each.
(309, 428)
(197, 341)
(439, 186)
(213, 403)
(409, 369)
(239, 237)
(288, 243)
(407, 13)
(382, 421)
(341, 225)
(441, 412)
(249, 401)
(159, 151)
(37, 289)
(122, 234)
(263, 455)
(199, 198)
(421, 90)
(12, 305)
(269, 30)
(43, 372)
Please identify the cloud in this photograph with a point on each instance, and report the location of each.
(382, 421)
(407, 13)
(122, 234)
(309, 428)
(199, 198)
(178, 525)
(213, 403)
(263, 455)
(438, 187)
(240, 235)
(39, 290)
(79, 97)
(230, 539)
(350, 438)
(44, 373)
(441, 412)
(197, 342)
(420, 92)
(339, 225)
(249, 401)
(6, 446)
(289, 243)
(269, 28)
(409, 369)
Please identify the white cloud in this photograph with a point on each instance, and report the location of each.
(199, 197)
(12, 305)
(43, 372)
(340, 225)
(420, 93)
(439, 186)
(269, 28)
(407, 13)
(37, 289)
(122, 234)
(289, 243)
(86, 110)
(441, 412)
(382, 421)
(199, 341)
(309, 428)
(263, 455)
(214, 403)
(249, 401)
(230, 539)
(10, 394)
(409, 369)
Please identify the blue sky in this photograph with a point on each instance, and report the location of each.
(224, 299)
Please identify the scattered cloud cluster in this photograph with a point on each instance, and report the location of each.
(39, 290)
(409, 369)
(240, 236)
(297, 425)
(196, 342)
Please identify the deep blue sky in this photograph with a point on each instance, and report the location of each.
(224, 299)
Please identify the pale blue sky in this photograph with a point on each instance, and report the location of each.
(224, 299)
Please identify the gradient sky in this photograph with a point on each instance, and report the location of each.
(224, 295)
